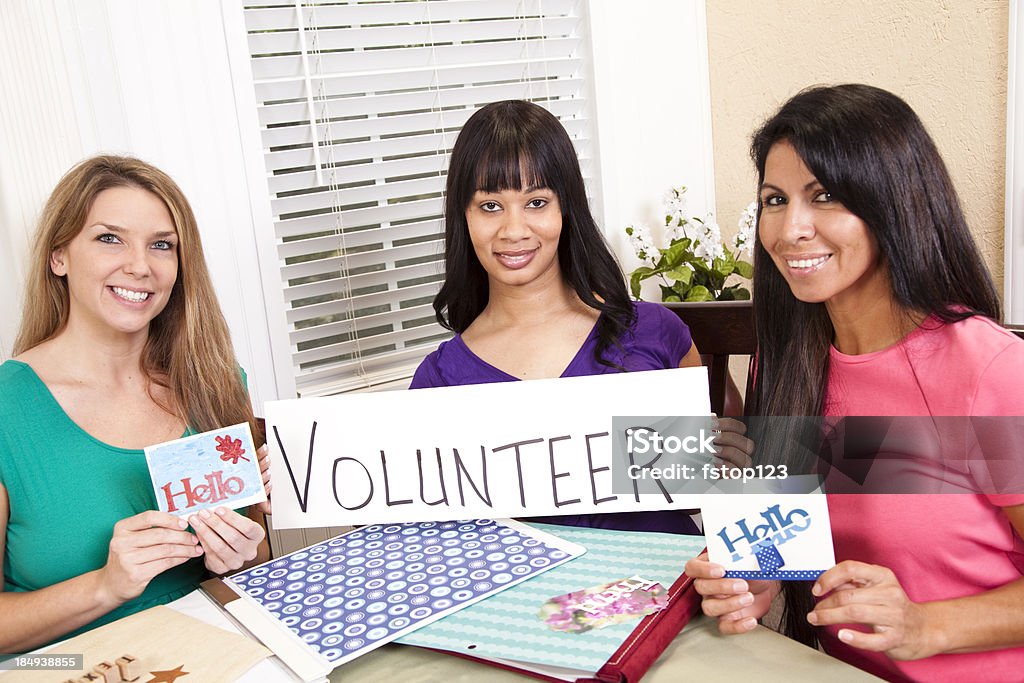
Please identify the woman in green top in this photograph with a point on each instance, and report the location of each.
(122, 345)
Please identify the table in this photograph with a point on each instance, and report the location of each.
(699, 653)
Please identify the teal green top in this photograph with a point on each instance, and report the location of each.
(66, 492)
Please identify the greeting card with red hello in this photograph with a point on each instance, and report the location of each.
(208, 470)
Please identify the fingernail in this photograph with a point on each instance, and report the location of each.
(717, 572)
(749, 623)
(816, 589)
(182, 524)
(194, 520)
(205, 514)
(747, 599)
(845, 635)
(812, 617)
(221, 511)
(739, 587)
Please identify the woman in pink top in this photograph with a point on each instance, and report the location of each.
(871, 299)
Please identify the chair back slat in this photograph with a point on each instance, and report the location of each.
(719, 329)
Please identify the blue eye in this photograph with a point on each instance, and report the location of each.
(108, 238)
(163, 245)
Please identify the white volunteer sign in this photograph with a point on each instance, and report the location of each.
(513, 449)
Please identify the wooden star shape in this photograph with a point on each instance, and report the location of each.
(168, 676)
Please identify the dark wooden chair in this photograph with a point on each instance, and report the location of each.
(720, 329)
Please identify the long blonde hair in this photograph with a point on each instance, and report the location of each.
(188, 350)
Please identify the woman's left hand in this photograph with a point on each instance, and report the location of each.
(264, 459)
(869, 594)
(733, 448)
(228, 539)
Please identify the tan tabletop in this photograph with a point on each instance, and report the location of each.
(699, 653)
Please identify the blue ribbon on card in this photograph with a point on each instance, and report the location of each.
(770, 563)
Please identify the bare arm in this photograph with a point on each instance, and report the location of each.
(142, 547)
(869, 594)
(691, 359)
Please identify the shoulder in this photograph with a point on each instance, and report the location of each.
(973, 344)
(657, 339)
(16, 378)
(980, 336)
(980, 353)
(22, 405)
(435, 370)
(657, 320)
(657, 316)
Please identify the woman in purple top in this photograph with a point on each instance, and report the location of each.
(531, 288)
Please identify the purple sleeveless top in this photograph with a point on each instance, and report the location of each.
(657, 340)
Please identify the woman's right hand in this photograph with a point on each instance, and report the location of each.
(737, 603)
(143, 546)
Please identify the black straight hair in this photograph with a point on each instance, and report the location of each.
(514, 145)
(872, 153)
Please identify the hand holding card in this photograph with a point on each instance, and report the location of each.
(229, 540)
(736, 603)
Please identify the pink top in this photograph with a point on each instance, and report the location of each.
(939, 546)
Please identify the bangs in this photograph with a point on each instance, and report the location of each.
(509, 168)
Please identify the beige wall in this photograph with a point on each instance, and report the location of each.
(946, 58)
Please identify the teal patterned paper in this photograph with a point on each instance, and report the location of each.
(506, 625)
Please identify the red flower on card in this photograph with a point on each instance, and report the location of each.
(231, 449)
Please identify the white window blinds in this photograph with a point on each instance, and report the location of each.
(359, 104)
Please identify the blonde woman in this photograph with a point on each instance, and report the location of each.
(122, 345)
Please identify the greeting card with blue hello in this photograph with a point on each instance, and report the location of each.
(785, 538)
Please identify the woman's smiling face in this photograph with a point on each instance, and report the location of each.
(825, 252)
(121, 267)
(515, 234)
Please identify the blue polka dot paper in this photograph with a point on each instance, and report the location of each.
(356, 592)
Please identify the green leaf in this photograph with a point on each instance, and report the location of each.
(723, 267)
(741, 294)
(681, 274)
(635, 279)
(671, 298)
(676, 254)
(727, 295)
(699, 293)
(698, 264)
(744, 269)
